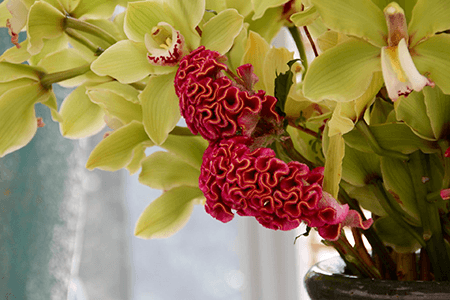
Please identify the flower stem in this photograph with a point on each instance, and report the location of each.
(293, 30)
(73, 23)
(311, 41)
(304, 129)
(48, 79)
(83, 40)
(364, 129)
(444, 144)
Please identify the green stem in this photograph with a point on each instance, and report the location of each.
(374, 240)
(48, 79)
(293, 154)
(364, 129)
(73, 23)
(393, 213)
(444, 144)
(301, 49)
(83, 40)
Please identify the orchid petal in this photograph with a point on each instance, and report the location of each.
(272, 17)
(360, 18)
(127, 62)
(342, 73)
(256, 48)
(428, 17)
(19, 14)
(93, 9)
(260, 6)
(433, 57)
(160, 107)
(167, 214)
(188, 148)
(275, 62)
(333, 165)
(306, 17)
(116, 151)
(438, 111)
(243, 7)
(221, 30)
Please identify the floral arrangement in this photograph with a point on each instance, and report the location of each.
(285, 140)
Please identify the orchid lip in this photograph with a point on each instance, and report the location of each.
(399, 72)
(165, 45)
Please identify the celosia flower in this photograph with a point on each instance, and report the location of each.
(215, 106)
(345, 72)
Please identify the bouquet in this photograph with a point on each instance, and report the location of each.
(284, 139)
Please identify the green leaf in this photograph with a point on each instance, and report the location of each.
(161, 170)
(438, 110)
(412, 111)
(116, 151)
(188, 148)
(433, 57)
(18, 122)
(306, 17)
(167, 214)
(127, 62)
(260, 6)
(366, 198)
(333, 165)
(342, 73)
(360, 18)
(160, 107)
(397, 181)
(44, 22)
(81, 117)
(428, 17)
(396, 236)
(393, 136)
(221, 30)
(359, 168)
(283, 83)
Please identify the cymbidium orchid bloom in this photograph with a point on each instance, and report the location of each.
(411, 57)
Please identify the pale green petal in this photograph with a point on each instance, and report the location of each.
(215, 5)
(333, 165)
(275, 62)
(188, 148)
(142, 16)
(116, 151)
(52, 104)
(237, 51)
(127, 62)
(164, 171)
(272, 17)
(330, 38)
(160, 107)
(260, 6)
(124, 90)
(6, 86)
(412, 111)
(81, 117)
(116, 106)
(168, 214)
(221, 30)
(360, 18)
(256, 49)
(17, 117)
(119, 21)
(69, 5)
(438, 111)
(50, 46)
(11, 72)
(44, 22)
(428, 17)
(136, 161)
(342, 73)
(243, 7)
(4, 14)
(341, 121)
(16, 55)
(94, 9)
(434, 59)
(306, 17)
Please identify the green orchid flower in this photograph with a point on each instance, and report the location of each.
(20, 90)
(384, 43)
(159, 34)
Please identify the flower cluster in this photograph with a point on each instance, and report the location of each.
(238, 173)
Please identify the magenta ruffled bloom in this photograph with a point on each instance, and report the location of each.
(215, 106)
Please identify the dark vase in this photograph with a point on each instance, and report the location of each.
(326, 280)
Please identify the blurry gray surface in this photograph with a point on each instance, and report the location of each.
(199, 262)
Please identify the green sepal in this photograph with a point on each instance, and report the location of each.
(342, 73)
(306, 17)
(161, 170)
(116, 151)
(333, 165)
(167, 214)
(96, 9)
(438, 110)
(272, 17)
(366, 198)
(52, 104)
(188, 148)
(10, 72)
(138, 157)
(261, 6)
(392, 136)
(380, 111)
(412, 111)
(396, 236)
